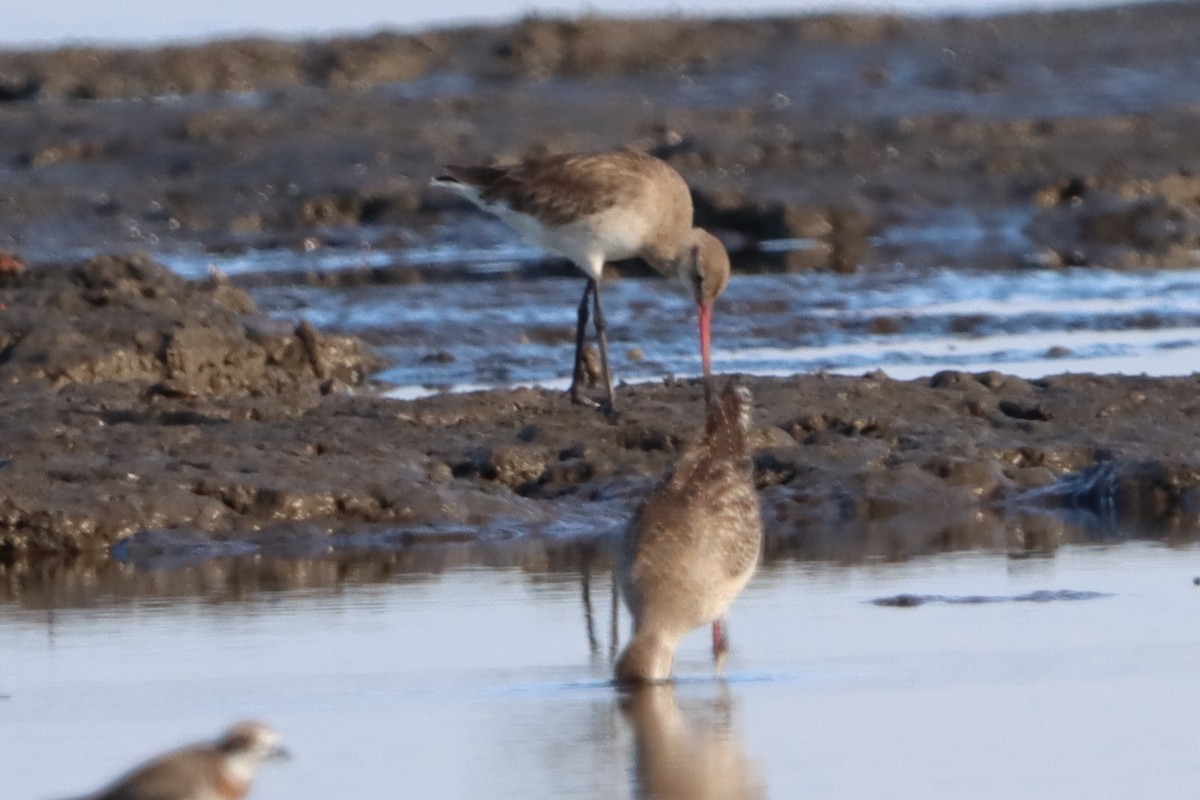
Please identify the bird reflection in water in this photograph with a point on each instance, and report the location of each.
(587, 561)
(687, 756)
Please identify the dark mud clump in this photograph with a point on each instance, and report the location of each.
(1133, 224)
(129, 319)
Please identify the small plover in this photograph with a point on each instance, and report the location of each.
(220, 770)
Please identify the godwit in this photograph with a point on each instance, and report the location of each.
(692, 545)
(595, 208)
(220, 770)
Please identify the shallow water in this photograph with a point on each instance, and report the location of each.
(515, 330)
(482, 683)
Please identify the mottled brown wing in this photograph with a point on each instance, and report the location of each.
(560, 189)
(740, 539)
(162, 779)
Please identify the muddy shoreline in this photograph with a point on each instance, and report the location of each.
(171, 422)
(183, 425)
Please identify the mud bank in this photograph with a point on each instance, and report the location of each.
(170, 422)
(1053, 139)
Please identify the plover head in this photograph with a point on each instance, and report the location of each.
(246, 746)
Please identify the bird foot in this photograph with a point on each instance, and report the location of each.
(580, 399)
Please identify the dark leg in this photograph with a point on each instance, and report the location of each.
(585, 582)
(603, 342)
(580, 332)
(614, 633)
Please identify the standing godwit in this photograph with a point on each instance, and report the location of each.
(692, 545)
(220, 770)
(595, 208)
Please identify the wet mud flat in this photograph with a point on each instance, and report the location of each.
(1052, 139)
(169, 421)
(162, 421)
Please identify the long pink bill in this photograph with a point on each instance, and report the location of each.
(704, 318)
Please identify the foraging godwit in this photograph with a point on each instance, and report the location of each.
(220, 770)
(595, 208)
(692, 545)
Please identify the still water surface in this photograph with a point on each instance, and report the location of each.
(482, 683)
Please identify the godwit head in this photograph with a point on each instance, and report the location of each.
(647, 658)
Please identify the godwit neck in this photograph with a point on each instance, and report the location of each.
(728, 424)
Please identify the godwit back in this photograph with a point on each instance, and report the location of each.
(600, 207)
(693, 544)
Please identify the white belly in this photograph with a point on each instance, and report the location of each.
(611, 235)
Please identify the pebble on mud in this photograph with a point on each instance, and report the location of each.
(516, 465)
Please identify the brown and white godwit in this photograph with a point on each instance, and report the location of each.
(692, 545)
(220, 770)
(600, 207)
